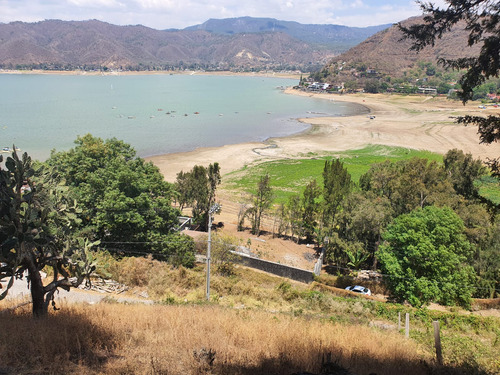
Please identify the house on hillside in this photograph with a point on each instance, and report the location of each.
(427, 91)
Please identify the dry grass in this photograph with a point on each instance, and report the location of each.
(118, 339)
(260, 325)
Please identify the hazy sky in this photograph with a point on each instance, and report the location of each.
(165, 14)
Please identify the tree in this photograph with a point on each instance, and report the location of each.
(409, 184)
(197, 188)
(372, 86)
(125, 202)
(487, 264)
(463, 171)
(337, 185)
(261, 202)
(36, 223)
(481, 18)
(294, 214)
(363, 218)
(310, 208)
(426, 258)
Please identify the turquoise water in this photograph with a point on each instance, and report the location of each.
(156, 114)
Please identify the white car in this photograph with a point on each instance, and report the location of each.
(359, 289)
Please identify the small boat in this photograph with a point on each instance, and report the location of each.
(6, 149)
(197, 113)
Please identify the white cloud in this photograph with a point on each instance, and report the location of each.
(95, 3)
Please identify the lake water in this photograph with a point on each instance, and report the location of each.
(156, 114)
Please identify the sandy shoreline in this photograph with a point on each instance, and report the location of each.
(416, 122)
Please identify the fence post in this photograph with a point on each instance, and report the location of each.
(437, 342)
(399, 321)
(407, 325)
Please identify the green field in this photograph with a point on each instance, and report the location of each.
(489, 188)
(290, 176)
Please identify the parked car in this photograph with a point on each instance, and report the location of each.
(359, 289)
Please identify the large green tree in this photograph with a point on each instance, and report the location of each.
(426, 258)
(481, 19)
(126, 203)
(37, 220)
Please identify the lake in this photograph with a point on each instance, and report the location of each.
(156, 114)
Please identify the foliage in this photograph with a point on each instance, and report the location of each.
(261, 202)
(126, 204)
(222, 256)
(409, 184)
(196, 188)
(310, 208)
(363, 218)
(425, 258)
(337, 184)
(463, 170)
(37, 218)
(487, 264)
(481, 18)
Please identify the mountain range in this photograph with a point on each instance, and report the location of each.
(229, 44)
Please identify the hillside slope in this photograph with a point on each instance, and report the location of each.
(387, 53)
(55, 44)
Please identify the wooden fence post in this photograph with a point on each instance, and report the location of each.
(437, 342)
(407, 325)
(399, 321)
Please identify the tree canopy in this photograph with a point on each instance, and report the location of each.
(425, 258)
(196, 188)
(125, 202)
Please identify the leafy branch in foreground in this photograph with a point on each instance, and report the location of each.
(481, 19)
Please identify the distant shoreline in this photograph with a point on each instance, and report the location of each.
(161, 72)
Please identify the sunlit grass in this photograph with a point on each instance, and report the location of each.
(290, 176)
(255, 323)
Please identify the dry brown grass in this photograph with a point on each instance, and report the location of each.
(118, 339)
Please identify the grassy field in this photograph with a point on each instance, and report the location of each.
(290, 176)
(489, 189)
(254, 324)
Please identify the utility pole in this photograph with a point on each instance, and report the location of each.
(213, 209)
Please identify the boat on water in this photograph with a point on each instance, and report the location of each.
(8, 149)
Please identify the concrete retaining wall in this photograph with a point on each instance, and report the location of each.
(297, 274)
